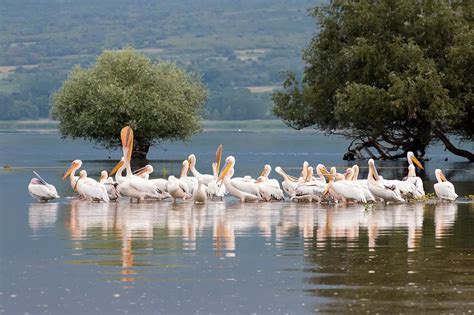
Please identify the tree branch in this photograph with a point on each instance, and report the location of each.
(452, 148)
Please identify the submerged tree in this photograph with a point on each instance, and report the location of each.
(159, 101)
(391, 75)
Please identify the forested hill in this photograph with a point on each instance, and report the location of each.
(239, 47)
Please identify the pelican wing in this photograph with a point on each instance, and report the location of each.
(246, 186)
(144, 185)
(92, 189)
(418, 183)
(445, 190)
(349, 190)
(270, 192)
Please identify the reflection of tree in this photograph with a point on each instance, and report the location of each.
(393, 256)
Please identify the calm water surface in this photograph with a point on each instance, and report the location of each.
(75, 257)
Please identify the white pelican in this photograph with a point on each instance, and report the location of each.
(407, 188)
(411, 177)
(159, 183)
(243, 190)
(213, 189)
(200, 194)
(443, 188)
(320, 174)
(90, 188)
(410, 186)
(303, 189)
(304, 172)
(344, 189)
(118, 170)
(132, 186)
(380, 189)
(335, 174)
(269, 188)
(177, 188)
(136, 187)
(110, 185)
(41, 190)
(190, 181)
(352, 174)
(289, 185)
(205, 178)
(71, 172)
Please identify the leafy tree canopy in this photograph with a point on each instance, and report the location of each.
(393, 75)
(159, 101)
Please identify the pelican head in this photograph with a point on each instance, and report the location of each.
(309, 175)
(83, 174)
(192, 160)
(118, 166)
(349, 174)
(265, 171)
(36, 181)
(372, 170)
(145, 170)
(304, 172)
(103, 175)
(355, 174)
(440, 176)
(226, 171)
(412, 159)
(185, 168)
(75, 165)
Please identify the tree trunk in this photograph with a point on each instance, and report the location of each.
(453, 149)
(377, 149)
(140, 151)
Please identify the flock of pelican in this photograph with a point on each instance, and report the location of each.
(318, 185)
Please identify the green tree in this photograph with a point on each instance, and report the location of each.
(159, 101)
(392, 75)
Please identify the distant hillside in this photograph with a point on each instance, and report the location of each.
(239, 47)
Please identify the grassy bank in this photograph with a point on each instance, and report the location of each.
(22, 126)
(19, 126)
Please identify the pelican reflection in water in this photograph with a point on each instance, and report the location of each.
(143, 230)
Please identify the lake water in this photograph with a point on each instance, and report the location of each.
(73, 257)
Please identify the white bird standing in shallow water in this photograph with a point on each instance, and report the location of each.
(132, 186)
(90, 188)
(412, 178)
(345, 189)
(159, 183)
(269, 188)
(213, 189)
(352, 174)
(379, 189)
(243, 190)
(205, 178)
(110, 185)
(71, 173)
(41, 190)
(190, 181)
(200, 194)
(177, 188)
(443, 188)
(289, 185)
